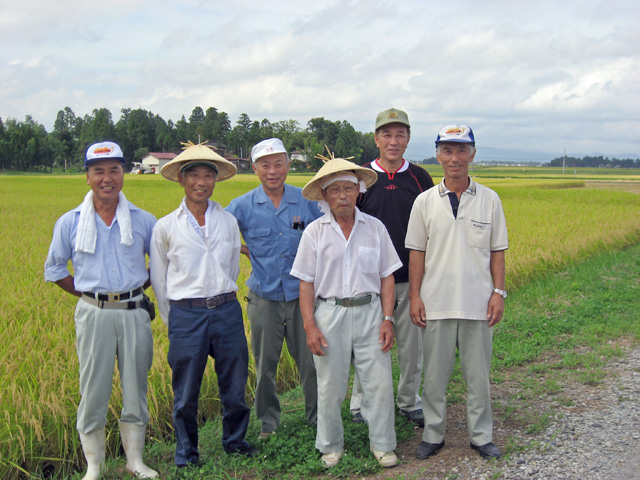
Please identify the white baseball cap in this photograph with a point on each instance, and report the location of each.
(103, 151)
(455, 133)
(267, 147)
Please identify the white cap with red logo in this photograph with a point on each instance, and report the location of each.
(103, 151)
(267, 147)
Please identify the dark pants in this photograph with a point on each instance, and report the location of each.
(194, 334)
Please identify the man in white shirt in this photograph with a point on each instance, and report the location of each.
(194, 265)
(458, 236)
(345, 264)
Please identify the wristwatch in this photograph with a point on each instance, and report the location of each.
(502, 293)
(391, 319)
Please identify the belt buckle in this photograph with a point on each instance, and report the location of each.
(346, 302)
(212, 302)
(113, 297)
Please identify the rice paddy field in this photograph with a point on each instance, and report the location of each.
(554, 218)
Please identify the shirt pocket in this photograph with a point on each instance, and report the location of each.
(257, 239)
(479, 234)
(369, 260)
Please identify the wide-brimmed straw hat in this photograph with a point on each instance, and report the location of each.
(200, 154)
(313, 189)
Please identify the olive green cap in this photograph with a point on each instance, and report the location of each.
(392, 115)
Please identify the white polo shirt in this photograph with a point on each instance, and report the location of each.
(343, 268)
(457, 276)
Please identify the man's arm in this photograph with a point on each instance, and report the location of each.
(496, 302)
(388, 300)
(416, 273)
(159, 265)
(67, 285)
(315, 339)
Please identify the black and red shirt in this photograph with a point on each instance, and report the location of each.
(390, 199)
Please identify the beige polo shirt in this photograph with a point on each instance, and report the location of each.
(457, 277)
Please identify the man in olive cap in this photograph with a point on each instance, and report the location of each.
(390, 200)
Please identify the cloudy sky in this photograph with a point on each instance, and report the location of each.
(532, 75)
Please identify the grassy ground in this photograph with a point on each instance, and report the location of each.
(567, 323)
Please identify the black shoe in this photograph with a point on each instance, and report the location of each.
(488, 450)
(426, 449)
(357, 418)
(415, 416)
(248, 451)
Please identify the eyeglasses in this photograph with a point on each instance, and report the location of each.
(334, 191)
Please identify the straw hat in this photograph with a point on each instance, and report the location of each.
(313, 189)
(201, 154)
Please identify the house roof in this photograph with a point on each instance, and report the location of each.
(162, 155)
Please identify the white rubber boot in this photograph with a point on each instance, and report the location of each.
(93, 447)
(133, 442)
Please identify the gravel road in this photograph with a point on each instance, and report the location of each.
(596, 437)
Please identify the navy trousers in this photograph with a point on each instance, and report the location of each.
(194, 335)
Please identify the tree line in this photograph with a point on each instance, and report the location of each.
(595, 162)
(27, 146)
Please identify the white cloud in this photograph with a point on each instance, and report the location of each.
(547, 71)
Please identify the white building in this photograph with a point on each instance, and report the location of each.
(156, 160)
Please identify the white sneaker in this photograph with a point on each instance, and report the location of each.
(386, 459)
(331, 459)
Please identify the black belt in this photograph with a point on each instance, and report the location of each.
(114, 297)
(349, 302)
(210, 302)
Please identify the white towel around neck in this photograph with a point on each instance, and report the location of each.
(87, 234)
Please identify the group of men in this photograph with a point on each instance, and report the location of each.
(360, 258)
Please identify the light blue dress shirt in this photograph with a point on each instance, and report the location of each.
(273, 237)
(113, 267)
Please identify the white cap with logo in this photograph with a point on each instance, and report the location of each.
(267, 147)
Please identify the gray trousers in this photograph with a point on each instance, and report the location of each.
(353, 334)
(271, 323)
(409, 349)
(473, 339)
(104, 336)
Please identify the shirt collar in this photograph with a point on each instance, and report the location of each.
(287, 197)
(378, 168)
(443, 190)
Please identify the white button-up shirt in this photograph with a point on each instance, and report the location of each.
(340, 267)
(188, 261)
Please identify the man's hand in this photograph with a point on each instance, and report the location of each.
(496, 309)
(315, 340)
(417, 312)
(386, 335)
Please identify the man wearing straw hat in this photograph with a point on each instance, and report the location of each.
(272, 218)
(106, 238)
(458, 236)
(345, 264)
(194, 265)
(390, 199)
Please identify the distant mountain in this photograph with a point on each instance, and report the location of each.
(420, 150)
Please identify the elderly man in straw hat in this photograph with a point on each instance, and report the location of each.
(345, 264)
(106, 238)
(272, 218)
(194, 264)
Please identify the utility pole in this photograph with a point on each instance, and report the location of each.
(564, 159)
